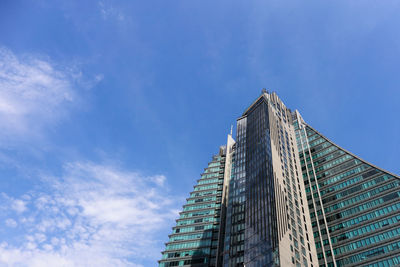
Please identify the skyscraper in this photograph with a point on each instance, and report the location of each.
(284, 195)
(195, 238)
(354, 205)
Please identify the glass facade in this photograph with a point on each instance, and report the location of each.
(235, 219)
(267, 212)
(194, 239)
(261, 242)
(285, 195)
(354, 205)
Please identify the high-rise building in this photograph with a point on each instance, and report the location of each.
(267, 216)
(195, 238)
(354, 205)
(284, 195)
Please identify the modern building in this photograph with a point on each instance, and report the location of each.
(354, 205)
(195, 238)
(285, 195)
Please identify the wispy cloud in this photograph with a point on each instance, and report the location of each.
(18, 205)
(109, 11)
(11, 223)
(33, 93)
(95, 215)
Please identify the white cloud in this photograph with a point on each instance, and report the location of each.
(109, 11)
(18, 205)
(11, 223)
(94, 215)
(33, 93)
(159, 179)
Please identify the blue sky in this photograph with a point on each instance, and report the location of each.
(110, 110)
